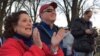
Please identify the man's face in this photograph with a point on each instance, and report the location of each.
(49, 14)
(88, 16)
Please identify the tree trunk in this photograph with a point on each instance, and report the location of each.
(1, 21)
(75, 10)
(2, 14)
(68, 20)
(0, 27)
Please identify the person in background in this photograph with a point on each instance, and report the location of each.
(84, 35)
(23, 40)
(68, 42)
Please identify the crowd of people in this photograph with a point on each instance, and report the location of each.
(24, 38)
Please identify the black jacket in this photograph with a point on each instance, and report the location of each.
(83, 42)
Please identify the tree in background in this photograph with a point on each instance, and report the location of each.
(7, 6)
(32, 8)
(72, 9)
(3, 11)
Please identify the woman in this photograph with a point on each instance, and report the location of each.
(23, 41)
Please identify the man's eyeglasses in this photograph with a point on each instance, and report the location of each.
(49, 10)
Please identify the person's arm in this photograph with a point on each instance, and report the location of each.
(13, 48)
(50, 51)
(56, 51)
(44, 47)
(55, 41)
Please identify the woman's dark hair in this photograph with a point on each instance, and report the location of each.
(11, 21)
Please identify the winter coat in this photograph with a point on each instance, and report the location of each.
(83, 42)
(16, 47)
(46, 32)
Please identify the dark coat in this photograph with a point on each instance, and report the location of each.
(44, 32)
(83, 42)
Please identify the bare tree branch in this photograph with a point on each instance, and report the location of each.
(67, 3)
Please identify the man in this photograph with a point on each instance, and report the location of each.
(47, 27)
(84, 35)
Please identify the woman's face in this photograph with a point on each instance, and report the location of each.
(24, 25)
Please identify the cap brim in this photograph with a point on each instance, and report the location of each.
(53, 4)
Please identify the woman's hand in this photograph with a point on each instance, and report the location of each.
(36, 38)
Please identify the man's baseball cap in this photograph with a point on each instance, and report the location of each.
(45, 6)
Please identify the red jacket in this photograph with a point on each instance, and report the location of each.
(13, 47)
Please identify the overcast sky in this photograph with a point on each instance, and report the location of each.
(61, 19)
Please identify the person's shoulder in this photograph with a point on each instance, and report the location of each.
(10, 42)
(90, 22)
(56, 27)
(76, 20)
(36, 24)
